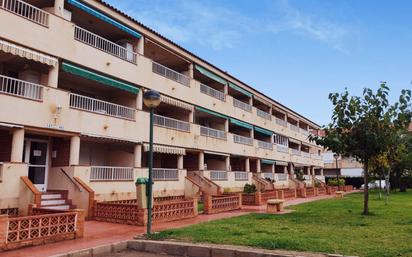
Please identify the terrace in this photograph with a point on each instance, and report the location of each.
(210, 83)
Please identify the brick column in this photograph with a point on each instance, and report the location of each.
(328, 190)
(281, 194)
(80, 222)
(315, 191)
(258, 198)
(17, 145)
(4, 225)
(195, 206)
(207, 204)
(240, 200)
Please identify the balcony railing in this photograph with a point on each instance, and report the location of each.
(307, 177)
(295, 152)
(242, 140)
(304, 132)
(242, 105)
(268, 175)
(160, 174)
(26, 10)
(281, 122)
(20, 88)
(265, 145)
(241, 176)
(282, 148)
(209, 132)
(108, 173)
(170, 74)
(293, 127)
(281, 177)
(218, 175)
(91, 39)
(212, 92)
(316, 156)
(263, 114)
(306, 154)
(167, 122)
(101, 107)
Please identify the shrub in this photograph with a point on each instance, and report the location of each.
(335, 182)
(249, 188)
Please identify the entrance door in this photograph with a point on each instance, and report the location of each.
(36, 155)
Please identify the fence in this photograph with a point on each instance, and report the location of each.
(209, 132)
(242, 105)
(218, 175)
(171, 123)
(174, 210)
(310, 191)
(26, 10)
(212, 92)
(216, 204)
(242, 140)
(108, 173)
(263, 114)
(160, 174)
(321, 191)
(289, 193)
(125, 213)
(20, 88)
(40, 229)
(170, 74)
(101, 107)
(241, 176)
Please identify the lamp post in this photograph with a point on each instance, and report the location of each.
(336, 156)
(151, 99)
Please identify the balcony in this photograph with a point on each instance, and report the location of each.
(267, 175)
(241, 176)
(304, 132)
(212, 92)
(101, 107)
(281, 177)
(242, 105)
(27, 11)
(20, 88)
(316, 156)
(218, 175)
(215, 133)
(265, 145)
(167, 122)
(282, 148)
(161, 174)
(242, 140)
(306, 154)
(104, 45)
(170, 74)
(108, 173)
(295, 152)
(263, 114)
(293, 127)
(307, 177)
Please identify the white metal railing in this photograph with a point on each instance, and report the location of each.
(212, 92)
(264, 145)
(241, 175)
(281, 177)
(210, 132)
(242, 105)
(307, 177)
(170, 74)
(281, 122)
(171, 123)
(263, 114)
(293, 127)
(306, 154)
(295, 152)
(218, 175)
(304, 132)
(320, 177)
(104, 45)
(316, 156)
(161, 174)
(268, 175)
(21, 88)
(101, 173)
(242, 140)
(282, 148)
(101, 107)
(26, 10)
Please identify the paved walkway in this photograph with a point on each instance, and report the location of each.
(102, 233)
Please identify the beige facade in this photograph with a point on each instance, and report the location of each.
(72, 75)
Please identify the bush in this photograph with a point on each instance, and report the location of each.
(270, 180)
(249, 189)
(299, 175)
(335, 182)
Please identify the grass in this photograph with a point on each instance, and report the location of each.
(330, 226)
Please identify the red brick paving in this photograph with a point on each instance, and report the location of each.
(102, 233)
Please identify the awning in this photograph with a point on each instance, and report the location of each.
(282, 163)
(239, 89)
(177, 103)
(104, 17)
(216, 153)
(210, 74)
(298, 165)
(9, 125)
(107, 138)
(212, 112)
(241, 123)
(97, 77)
(294, 141)
(262, 100)
(13, 49)
(165, 149)
(266, 161)
(263, 131)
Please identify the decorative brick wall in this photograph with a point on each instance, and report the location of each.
(290, 193)
(321, 190)
(216, 204)
(310, 192)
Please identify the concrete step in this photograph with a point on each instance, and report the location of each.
(53, 202)
(57, 207)
(51, 196)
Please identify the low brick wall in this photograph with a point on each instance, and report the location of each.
(216, 204)
(17, 232)
(289, 193)
(348, 188)
(310, 192)
(321, 190)
(259, 198)
(248, 199)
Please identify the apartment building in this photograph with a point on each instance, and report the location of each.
(72, 76)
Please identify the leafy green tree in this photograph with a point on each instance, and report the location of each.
(363, 127)
(402, 162)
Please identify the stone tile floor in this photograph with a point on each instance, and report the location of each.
(101, 233)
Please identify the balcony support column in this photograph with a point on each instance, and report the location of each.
(321, 171)
(252, 133)
(258, 166)
(190, 71)
(140, 46)
(291, 172)
(139, 100)
(180, 162)
(251, 101)
(17, 145)
(192, 116)
(226, 125)
(285, 169)
(59, 7)
(137, 156)
(53, 76)
(227, 163)
(247, 165)
(74, 150)
(201, 161)
(273, 168)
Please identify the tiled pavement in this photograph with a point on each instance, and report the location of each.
(101, 233)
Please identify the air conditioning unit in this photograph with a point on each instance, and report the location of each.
(129, 48)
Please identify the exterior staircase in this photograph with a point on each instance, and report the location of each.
(295, 182)
(56, 200)
(206, 185)
(262, 184)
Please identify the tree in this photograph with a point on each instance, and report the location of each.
(402, 162)
(363, 127)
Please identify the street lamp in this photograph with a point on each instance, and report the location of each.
(336, 156)
(151, 99)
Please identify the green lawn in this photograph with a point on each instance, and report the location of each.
(331, 226)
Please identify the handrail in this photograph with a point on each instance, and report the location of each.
(71, 179)
(33, 189)
(25, 89)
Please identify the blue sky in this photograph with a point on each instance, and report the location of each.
(295, 51)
